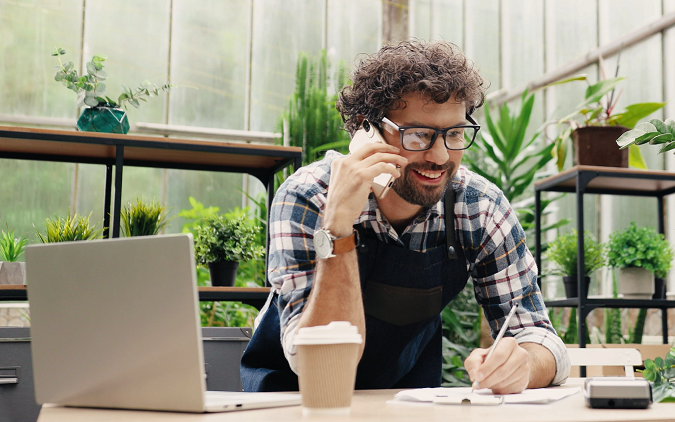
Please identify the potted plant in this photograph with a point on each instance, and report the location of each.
(638, 252)
(71, 228)
(143, 219)
(104, 114)
(11, 248)
(594, 126)
(562, 252)
(221, 243)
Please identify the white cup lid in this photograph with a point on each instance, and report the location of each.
(336, 332)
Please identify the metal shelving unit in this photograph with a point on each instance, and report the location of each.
(583, 180)
(119, 151)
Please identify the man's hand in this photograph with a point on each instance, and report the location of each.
(506, 372)
(512, 367)
(351, 180)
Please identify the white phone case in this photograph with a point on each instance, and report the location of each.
(367, 134)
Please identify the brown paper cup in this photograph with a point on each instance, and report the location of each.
(327, 373)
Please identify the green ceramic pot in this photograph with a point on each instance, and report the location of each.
(103, 119)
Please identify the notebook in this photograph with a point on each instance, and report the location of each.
(115, 324)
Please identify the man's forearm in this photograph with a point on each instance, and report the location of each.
(336, 294)
(542, 365)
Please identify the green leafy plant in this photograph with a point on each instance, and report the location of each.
(311, 120)
(222, 239)
(638, 247)
(562, 252)
(511, 161)
(461, 321)
(70, 228)
(654, 132)
(506, 158)
(661, 373)
(598, 109)
(91, 89)
(195, 214)
(143, 219)
(11, 247)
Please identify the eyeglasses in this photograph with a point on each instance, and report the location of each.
(422, 138)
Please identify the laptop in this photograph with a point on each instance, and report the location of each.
(115, 324)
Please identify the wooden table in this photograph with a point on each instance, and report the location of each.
(371, 406)
(118, 151)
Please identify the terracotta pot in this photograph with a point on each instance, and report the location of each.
(223, 273)
(571, 287)
(596, 146)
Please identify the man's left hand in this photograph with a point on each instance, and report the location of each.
(506, 372)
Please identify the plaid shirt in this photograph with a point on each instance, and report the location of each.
(497, 257)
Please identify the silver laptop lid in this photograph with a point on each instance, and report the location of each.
(115, 323)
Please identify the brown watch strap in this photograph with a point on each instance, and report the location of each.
(346, 244)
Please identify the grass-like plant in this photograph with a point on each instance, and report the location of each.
(562, 252)
(640, 247)
(143, 219)
(73, 227)
(222, 239)
(11, 247)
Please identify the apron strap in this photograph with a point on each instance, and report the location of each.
(450, 241)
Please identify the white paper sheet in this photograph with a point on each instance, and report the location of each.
(534, 396)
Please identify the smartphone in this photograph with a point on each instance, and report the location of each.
(366, 134)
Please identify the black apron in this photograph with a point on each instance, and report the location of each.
(404, 293)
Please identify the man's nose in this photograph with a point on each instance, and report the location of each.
(438, 153)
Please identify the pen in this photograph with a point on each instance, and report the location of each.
(474, 386)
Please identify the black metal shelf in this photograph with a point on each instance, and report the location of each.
(612, 303)
(583, 180)
(255, 296)
(119, 151)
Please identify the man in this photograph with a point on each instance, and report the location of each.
(394, 266)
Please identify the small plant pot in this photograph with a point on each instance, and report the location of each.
(659, 288)
(636, 283)
(12, 272)
(596, 146)
(571, 287)
(103, 119)
(223, 273)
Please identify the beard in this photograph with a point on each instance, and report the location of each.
(416, 193)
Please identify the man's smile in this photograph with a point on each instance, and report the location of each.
(433, 175)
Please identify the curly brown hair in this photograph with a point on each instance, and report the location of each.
(437, 70)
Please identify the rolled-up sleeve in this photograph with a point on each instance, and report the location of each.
(295, 215)
(504, 273)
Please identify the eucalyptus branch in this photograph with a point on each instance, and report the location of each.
(92, 92)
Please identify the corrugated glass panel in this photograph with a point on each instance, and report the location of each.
(280, 31)
(209, 63)
(482, 42)
(29, 32)
(354, 28)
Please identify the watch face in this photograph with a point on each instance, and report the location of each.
(322, 244)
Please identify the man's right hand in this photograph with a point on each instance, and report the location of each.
(351, 181)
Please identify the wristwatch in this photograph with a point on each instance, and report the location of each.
(327, 246)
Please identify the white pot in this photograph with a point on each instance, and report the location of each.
(12, 272)
(636, 283)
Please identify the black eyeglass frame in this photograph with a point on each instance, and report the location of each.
(443, 132)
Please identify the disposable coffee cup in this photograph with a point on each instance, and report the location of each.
(327, 359)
